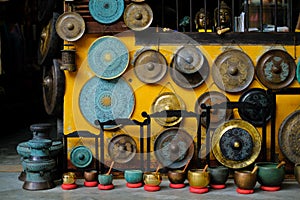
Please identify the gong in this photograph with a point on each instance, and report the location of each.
(217, 115)
(106, 11)
(289, 136)
(164, 102)
(173, 148)
(138, 16)
(233, 71)
(261, 109)
(236, 143)
(122, 148)
(70, 26)
(108, 57)
(106, 100)
(53, 88)
(150, 66)
(81, 156)
(276, 69)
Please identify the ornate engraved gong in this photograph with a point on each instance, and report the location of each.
(150, 66)
(233, 71)
(106, 11)
(168, 101)
(122, 148)
(217, 116)
(262, 109)
(70, 26)
(81, 156)
(138, 16)
(173, 148)
(108, 57)
(236, 143)
(276, 69)
(289, 136)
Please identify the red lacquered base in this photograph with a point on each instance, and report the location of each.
(243, 191)
(218, 187)
(270, 188)
(151, 188)
(134, 185)
(105, 187)
(199, 190)
(69, 186)
(90, 183)
(177, 186)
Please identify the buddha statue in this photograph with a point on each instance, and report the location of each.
(224, 15)
(202, 19)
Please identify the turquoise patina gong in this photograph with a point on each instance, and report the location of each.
(108, 57)
(81, 156)
(106, 11)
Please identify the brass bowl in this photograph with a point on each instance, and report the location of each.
(198, 178)
(297, 172)
(152, 178)
(245, 179)
(91, 175)
(69, 178)
(176, 176)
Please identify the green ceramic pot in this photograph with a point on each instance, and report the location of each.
(105, 179)
(269, 175)
(218, 175)
(133, 176)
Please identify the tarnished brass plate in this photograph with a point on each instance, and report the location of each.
(138, 16)
(174, 147)
(289, 136)
(236, 143)
(233, 71)
(276, 69)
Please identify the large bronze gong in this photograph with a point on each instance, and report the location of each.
(122, 148)
(236, 143)
(173, 148)
(233, 71)
(217, 116)
(276, 69)
(289, 137)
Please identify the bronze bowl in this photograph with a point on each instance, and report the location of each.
(297, 172)
(218, 175)
(245, 179)
(269, 175)
(152, 178)
(91, 175)
(176, 176)
(198, 178)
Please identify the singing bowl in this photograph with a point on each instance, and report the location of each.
(269, 175)
(105, 179)
(133, 176)
(245, 179)
(69, 178)
(297, 172)
(198, 178)
(90, 175)
(218, 174)
(176, 176)
(152, 178)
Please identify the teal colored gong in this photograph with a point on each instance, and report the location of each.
(81, 156)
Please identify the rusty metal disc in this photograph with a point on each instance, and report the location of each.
(122, 148)
(173, 148)
(70, 26)
(262, 106)
(168, 101)
(276, 69)
(150, 66)
(233, 71)
(236, 143)
(138, 16)
(217, 116)
(289, 136)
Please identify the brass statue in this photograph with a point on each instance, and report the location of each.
(202, 19)
(224, 15)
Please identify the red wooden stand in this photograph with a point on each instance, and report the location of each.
(199, 190)
(69, 186)
(218, 187)
(244, 191)
(105, 187)
(150, 188)
(134, 185)
(270, 188)
(176, 186)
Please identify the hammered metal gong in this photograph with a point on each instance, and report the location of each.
(138, 16)
(289, 137)
(233, 71)
(108, 57)
(81, 156)
(173, 148)
(106, 11)
(150, 66)
(105, 100)
(168, 101)
(276, 69)
(122, 148)
(236, 143)
(217, 116)
(262, 106)
(70, 26)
